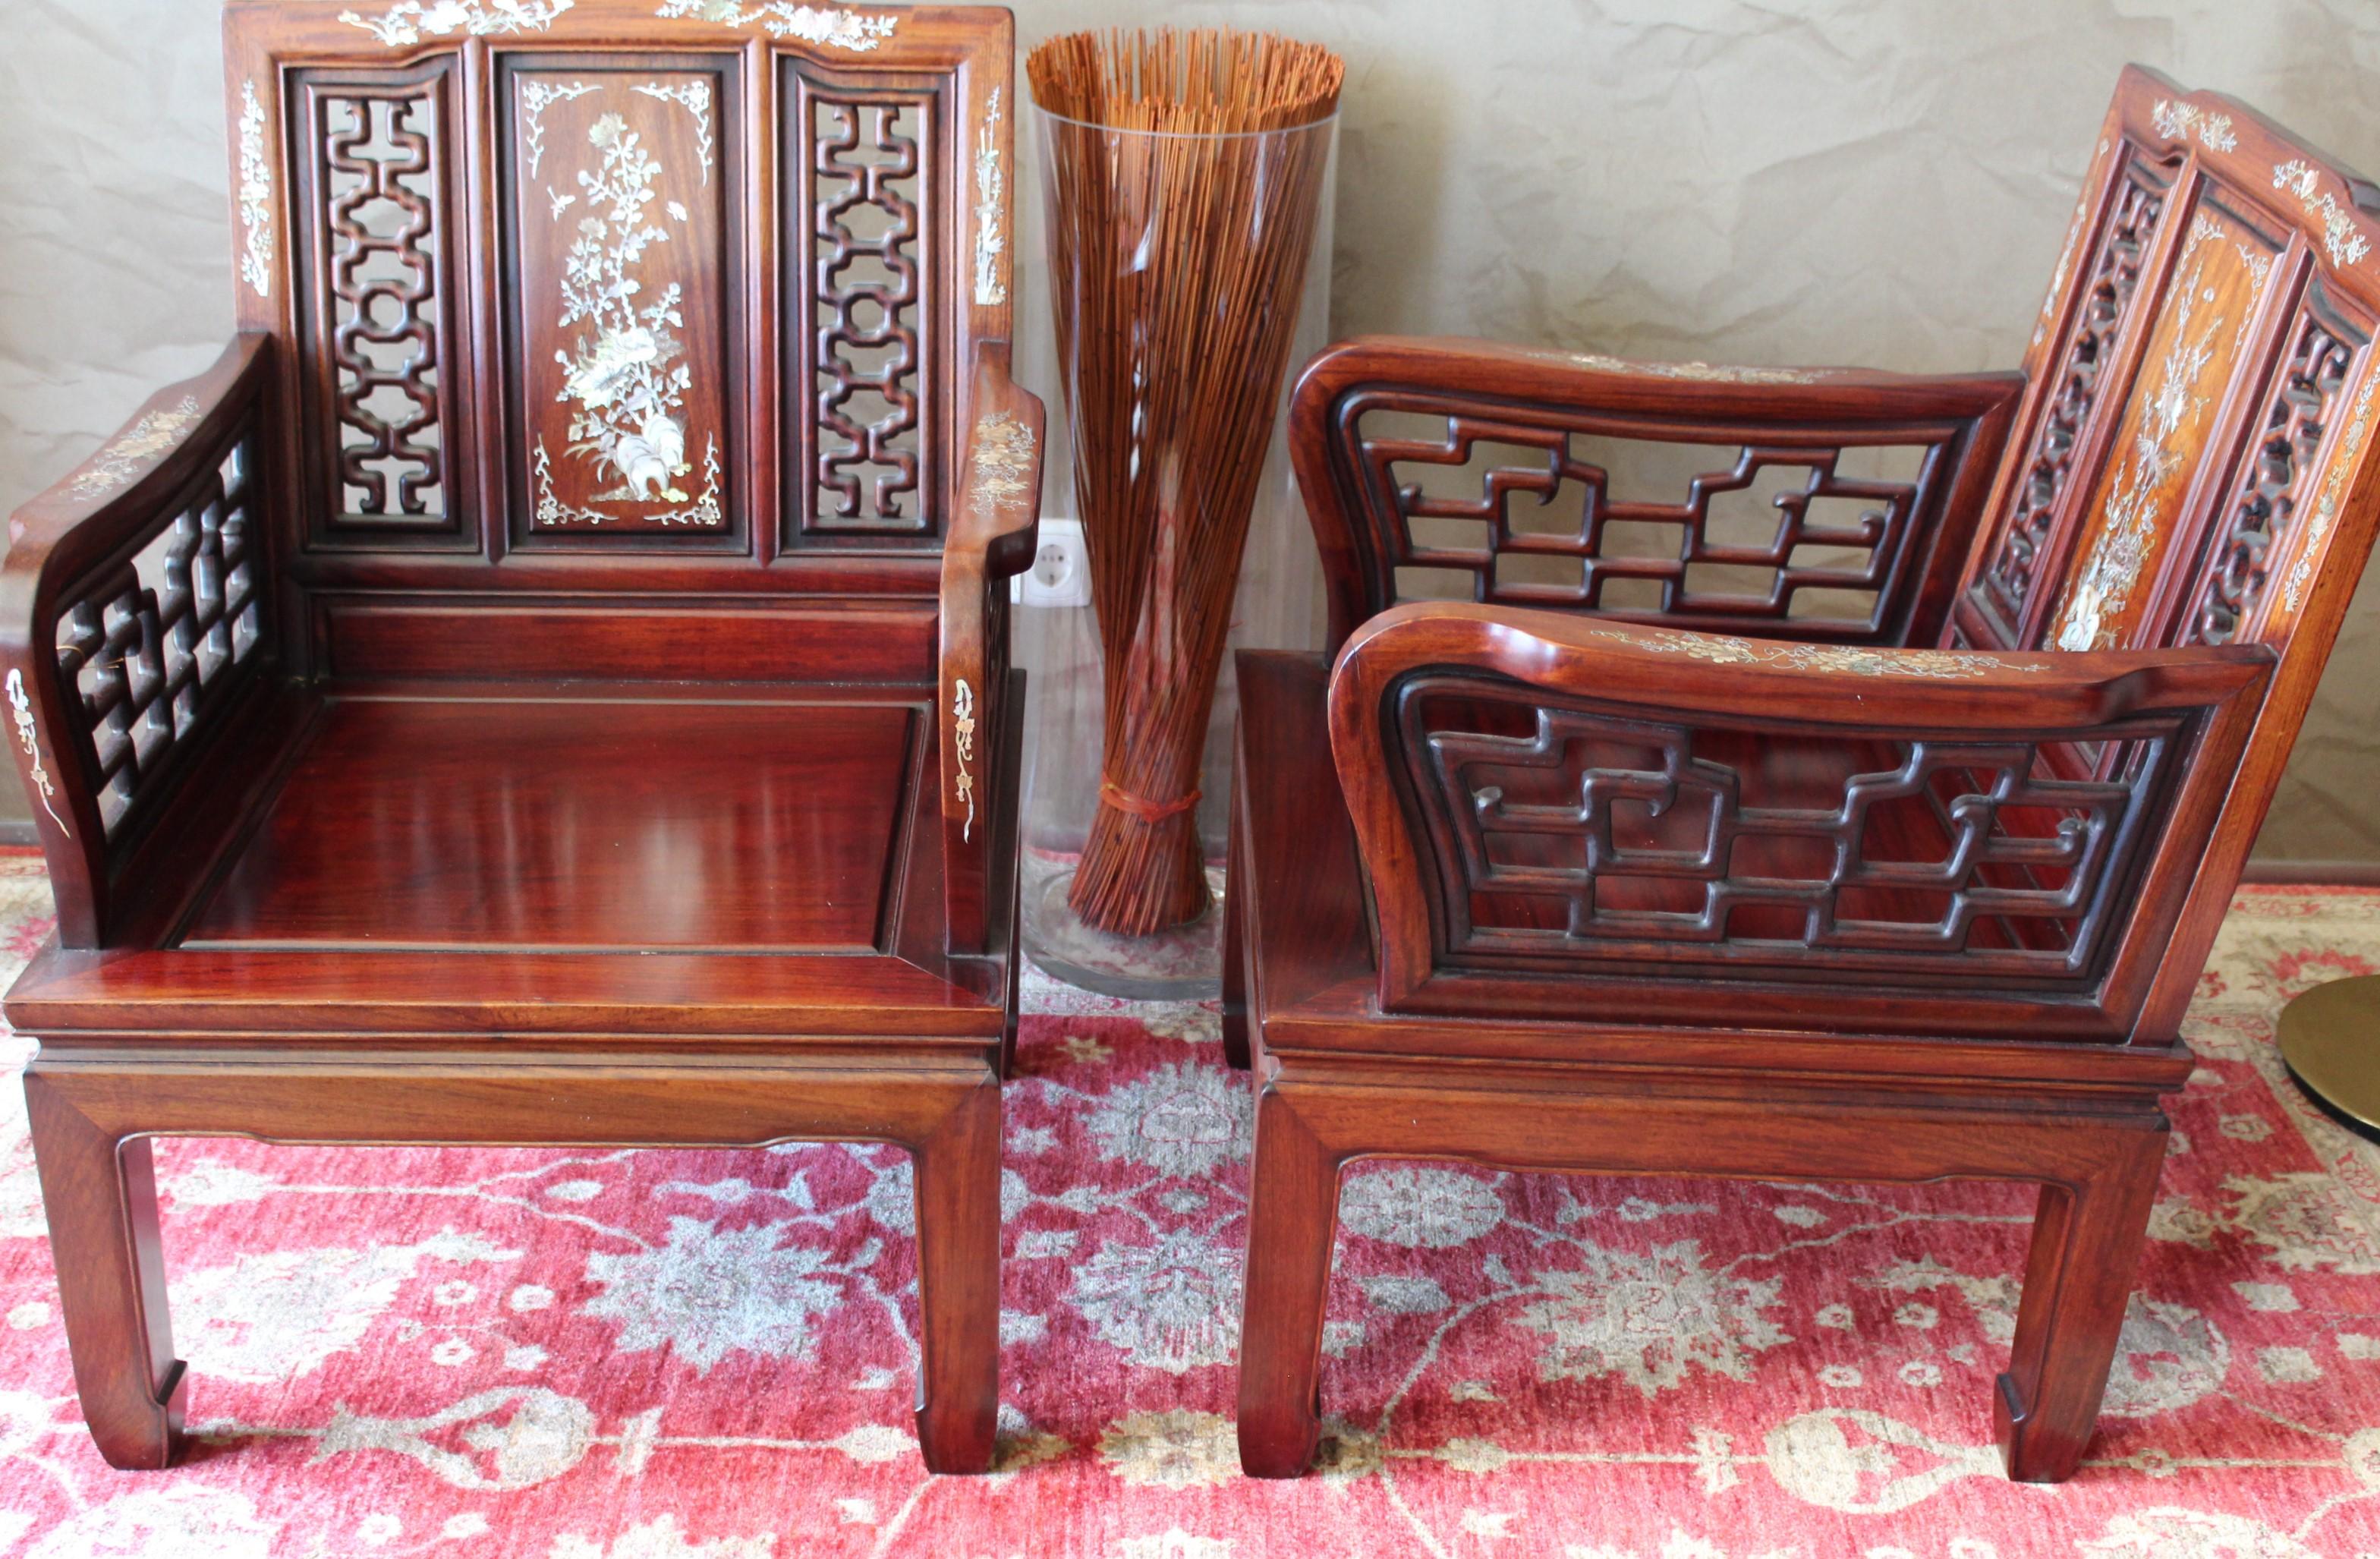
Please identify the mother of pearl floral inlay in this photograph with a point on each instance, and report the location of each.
(21, 709)
(828, 25)
(2176, 120)
(2339, 237)
(625, 375)
(990, 232)
(1857, 659)
(116, 465)
(255, 194)
(408, 22)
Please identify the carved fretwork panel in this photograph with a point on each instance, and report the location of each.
(1565, 836)
(867, 195)
(377, 188)
(2137, 515)
(1512, 507)
(2277, 481)
(2044, 489)
(626, 290)
(151, 647)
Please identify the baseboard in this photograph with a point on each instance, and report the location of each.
(2314, 873)
(17, 832)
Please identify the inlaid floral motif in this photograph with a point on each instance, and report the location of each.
(2175, 121)
(2340, 239)
(963, 747)
(827, 25)
(410, 21)
(29, 736)
(255, 195)
(2128, 535)
(990, 214)
(1726, 650)
(116, 466)
(1720, 374)
(1003, 453)
(625, 377)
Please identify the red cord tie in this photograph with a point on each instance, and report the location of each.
(1147, 811)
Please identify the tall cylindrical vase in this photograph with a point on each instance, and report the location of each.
(1182, 194)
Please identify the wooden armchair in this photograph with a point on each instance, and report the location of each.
(1715, 874)
(548, 682)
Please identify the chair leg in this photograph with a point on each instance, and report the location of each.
(958, 1284)
(2078, 1277)
(1292, 1216)
(1235, 976)
(100, 1193)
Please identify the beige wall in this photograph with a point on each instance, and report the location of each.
(1859, 181)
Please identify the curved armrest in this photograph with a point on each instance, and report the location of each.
(1544, 795)
(1362, 495)
(107, 673)
(994, 535)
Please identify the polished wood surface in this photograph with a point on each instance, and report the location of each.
(1907, 883)
(548, 681)
(510, 823)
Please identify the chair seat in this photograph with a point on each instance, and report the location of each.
(527, 860)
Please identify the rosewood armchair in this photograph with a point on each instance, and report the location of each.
(548, 682)
(1878, 835)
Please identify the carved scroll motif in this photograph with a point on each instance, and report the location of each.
(2277, 475)
(2009, 580)
(384, 225)
(869, 298)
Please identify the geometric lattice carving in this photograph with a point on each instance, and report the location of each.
(868, 300)
(2277, 480)
(2090, 344)
(1536, 526)
(380, 183)
(1565, 834)
(151, 646)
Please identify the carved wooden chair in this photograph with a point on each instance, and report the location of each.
(548, 682)
(1670, 851)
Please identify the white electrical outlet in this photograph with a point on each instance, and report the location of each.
(1061, 575)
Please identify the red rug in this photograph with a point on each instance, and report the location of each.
(708, 1356)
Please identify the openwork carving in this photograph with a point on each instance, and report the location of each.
(2333, 487)
(2340, 240)
(385, 240)
(832, 27)
(2091, 340)
(1569, 835)
(134, 450)
(2176, 120)
(255, 195)
(155, 642)
(1541, 528)
(2276, 476)
(868, 292)
(990, 210)
(410, 21)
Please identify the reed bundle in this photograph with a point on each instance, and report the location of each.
(1185, 174)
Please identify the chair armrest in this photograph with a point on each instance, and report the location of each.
(1358, 478)
(1943, 841)
(122, 644)
(994, 535)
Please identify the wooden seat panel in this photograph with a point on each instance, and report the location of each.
(523, 822)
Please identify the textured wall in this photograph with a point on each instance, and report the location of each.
(1853, 181)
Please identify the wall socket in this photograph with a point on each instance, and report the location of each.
(1061, 575)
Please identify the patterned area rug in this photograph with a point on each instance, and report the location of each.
(708, 1355)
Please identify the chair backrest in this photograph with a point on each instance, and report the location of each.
(608, 301)
(2188, 465)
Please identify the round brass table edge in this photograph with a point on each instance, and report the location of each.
(2331, 1042)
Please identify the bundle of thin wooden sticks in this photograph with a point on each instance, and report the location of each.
(1185, 173)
